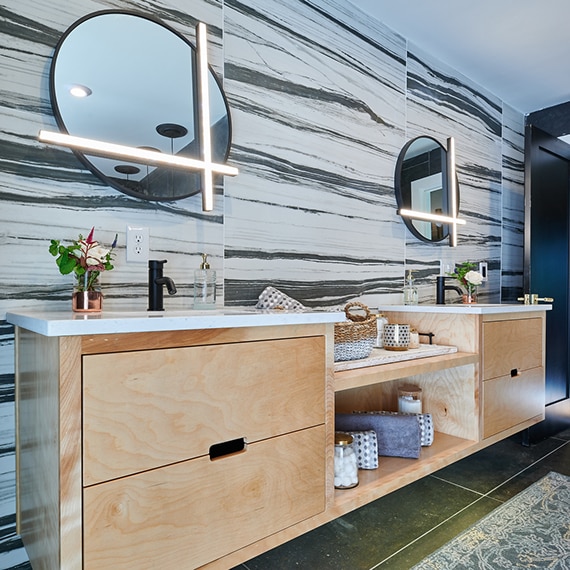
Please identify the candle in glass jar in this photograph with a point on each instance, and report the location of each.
(410, 400)
(407, 405)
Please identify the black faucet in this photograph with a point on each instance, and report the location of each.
(441, 288)
(156, 281)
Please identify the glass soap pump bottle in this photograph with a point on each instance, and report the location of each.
(204, 285)
(410, 290)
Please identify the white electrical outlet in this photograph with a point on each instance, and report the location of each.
(483, 269)
(137, 245)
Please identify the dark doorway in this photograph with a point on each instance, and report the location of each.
(546, 264)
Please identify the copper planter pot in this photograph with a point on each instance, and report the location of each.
(87, 301)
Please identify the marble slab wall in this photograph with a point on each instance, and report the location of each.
(322, 98)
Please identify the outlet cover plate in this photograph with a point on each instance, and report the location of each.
(137, 244)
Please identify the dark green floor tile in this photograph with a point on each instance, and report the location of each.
(436, 538)
(372, 533)
(404, 527)
(558, 461)
(488, 468)
(563, 435)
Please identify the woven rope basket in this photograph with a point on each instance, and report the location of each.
(354, 339)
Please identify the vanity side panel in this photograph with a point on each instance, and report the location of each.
(70, 426)
(52, 537)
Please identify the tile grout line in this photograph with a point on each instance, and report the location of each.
(481, 496)
(428, 531)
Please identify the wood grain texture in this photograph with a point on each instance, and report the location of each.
(511, 345)
(449, 329)
(38, 448)
(146, 409)
(508, 401)
(185, 515)
(104, 343)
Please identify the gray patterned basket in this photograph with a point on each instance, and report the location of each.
(354, 338)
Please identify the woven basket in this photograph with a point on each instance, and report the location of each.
(355, 338)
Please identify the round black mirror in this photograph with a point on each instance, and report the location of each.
(129, 79)
(421, 185)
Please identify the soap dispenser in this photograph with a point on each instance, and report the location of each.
(410, 290)
(204, 285)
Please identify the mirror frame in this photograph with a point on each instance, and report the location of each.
(193, 112)
(403, 204)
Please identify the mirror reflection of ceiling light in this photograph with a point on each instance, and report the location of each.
(80, 91)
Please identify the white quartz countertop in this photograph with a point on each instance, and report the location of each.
(473, 309)
(67, 323)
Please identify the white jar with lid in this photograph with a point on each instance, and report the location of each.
(410, 399)
(345, 461)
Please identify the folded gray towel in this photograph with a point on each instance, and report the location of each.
(397, 435)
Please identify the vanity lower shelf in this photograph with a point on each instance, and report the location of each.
(396, 472)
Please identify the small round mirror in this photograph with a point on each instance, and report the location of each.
(129, 79)
(421, 185)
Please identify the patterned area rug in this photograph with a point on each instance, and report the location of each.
(531, 530)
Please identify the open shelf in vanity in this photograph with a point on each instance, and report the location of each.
(370, 387)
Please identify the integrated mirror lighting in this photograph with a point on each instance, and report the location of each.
(452, 220)
(146, 155)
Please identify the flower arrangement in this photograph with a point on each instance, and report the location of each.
(85, 257)
(467, 276)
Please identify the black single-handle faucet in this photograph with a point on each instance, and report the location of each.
(156, 281)
(441, 288)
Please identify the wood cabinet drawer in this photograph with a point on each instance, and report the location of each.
(142, 410)
(511, 345)
(185, 515)
(508, 401)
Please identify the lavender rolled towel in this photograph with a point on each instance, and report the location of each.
(398, 435)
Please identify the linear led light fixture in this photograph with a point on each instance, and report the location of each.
(429, 217)
(204, 117)
(452, 220)
(120, 151)
(452, 190)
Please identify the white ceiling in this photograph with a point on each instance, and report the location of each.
(519, 50)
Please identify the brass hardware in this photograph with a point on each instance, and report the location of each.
(533, 299)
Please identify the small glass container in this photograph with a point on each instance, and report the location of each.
(381, 321)
(410, 290)
(204, 286)
(409, 400)
(414, 339)
(345, 461)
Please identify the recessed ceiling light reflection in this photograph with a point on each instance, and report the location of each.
(80, 91)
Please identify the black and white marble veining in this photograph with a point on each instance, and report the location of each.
(322, 100)
(513, 205)
(329, 130)
(443, 103)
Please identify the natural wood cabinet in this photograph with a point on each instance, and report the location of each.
(176, 453)
(493, 390)
(204, 448)
(512, 372)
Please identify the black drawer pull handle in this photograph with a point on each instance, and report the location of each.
(231, 447)
(514, 372)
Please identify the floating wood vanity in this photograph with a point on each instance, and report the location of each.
(198, 440)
